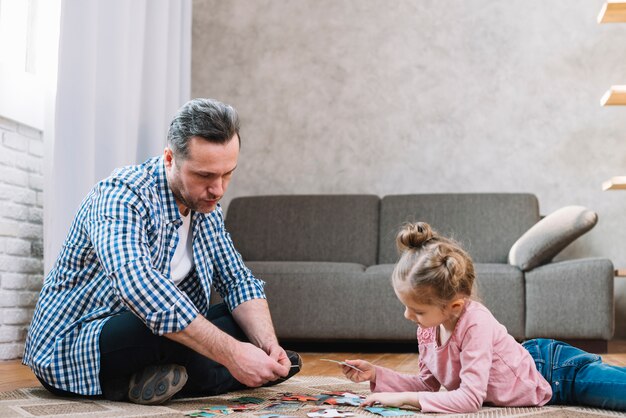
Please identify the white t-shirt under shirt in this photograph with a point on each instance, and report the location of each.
(182, 261)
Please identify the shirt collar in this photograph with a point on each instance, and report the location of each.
(172, 213)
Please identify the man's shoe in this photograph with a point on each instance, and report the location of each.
(156, 384)
(296, 366)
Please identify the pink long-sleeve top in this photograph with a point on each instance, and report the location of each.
(480, 363)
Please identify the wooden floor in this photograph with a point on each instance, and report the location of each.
(14, 375)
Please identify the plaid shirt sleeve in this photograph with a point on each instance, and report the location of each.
(234, 281)
(118, 226)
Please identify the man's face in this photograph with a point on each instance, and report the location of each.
(200, 181)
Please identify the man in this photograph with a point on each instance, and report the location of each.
(125, 310)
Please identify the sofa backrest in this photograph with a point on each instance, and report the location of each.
(333, 228)
(486, 224)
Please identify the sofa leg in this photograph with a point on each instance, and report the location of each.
(591, 346)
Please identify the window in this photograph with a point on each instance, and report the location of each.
(17, 34)
(28, 46)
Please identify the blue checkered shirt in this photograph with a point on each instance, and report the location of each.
(115, 258)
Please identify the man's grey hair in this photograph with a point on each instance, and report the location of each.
(209, 119)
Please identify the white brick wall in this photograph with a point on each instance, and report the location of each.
(21, 232)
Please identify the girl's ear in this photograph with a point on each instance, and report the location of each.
(456, 305)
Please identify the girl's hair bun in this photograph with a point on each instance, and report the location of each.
(413, 236)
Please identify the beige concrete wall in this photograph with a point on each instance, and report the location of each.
(379, 96)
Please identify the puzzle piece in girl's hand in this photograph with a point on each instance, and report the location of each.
(330, 413)
(343, 363)
(388, 411)
(200, 414)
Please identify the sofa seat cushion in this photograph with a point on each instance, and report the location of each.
(500, 287)
(332, 301)
(575, 294)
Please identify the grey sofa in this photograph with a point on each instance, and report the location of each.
(327, 262)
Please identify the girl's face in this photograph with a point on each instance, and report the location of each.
(424, 315)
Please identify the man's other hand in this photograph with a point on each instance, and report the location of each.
(253, 367)
(276, 352)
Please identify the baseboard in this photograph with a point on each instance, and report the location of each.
(596, 346)
(350, 346)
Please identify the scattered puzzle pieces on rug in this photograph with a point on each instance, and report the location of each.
(222, 409)
(212, 410)
(338, 398)
(329, 413)
(200, 414)
(282, 405)
(298, 397)
(388, 411)
(277, 416)
(249, 399)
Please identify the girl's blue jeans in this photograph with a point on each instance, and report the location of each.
(578, 377)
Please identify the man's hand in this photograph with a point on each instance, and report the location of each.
(248, 363)
(276, 352)
(368, 371)
(393, 399)
(253, 367)
(253, 364)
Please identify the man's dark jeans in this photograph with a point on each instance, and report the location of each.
(128, 346)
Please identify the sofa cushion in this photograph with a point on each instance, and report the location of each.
(570, 299)
(486, 224)
(333, 304)
(333, 228)
(500, 287)
(550, 236)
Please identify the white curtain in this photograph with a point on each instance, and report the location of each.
(124, 69)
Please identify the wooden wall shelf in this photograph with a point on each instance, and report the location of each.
(613, 12)
(615, 183)
(615, 96)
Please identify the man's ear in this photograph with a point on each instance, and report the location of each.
(168, 157)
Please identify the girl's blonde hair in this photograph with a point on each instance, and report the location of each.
(435, 266)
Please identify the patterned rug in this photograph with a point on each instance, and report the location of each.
(37, 402)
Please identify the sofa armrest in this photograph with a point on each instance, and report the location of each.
(570, 299)
(550, 236)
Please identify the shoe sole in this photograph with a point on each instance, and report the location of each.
(292, 372)
(157, 384)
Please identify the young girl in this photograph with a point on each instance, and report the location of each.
(463, 348)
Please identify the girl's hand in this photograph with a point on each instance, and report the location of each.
(368, 371)
(393, 399)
